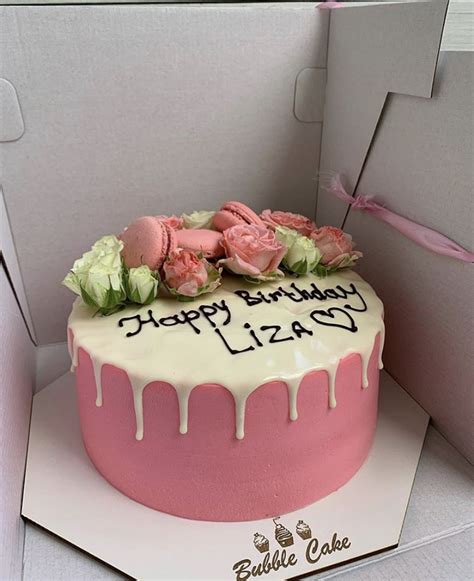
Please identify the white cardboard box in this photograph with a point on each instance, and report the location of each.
(106, 104)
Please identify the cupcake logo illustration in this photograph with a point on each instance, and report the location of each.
(282, 535)
(261, 543)
(303, 530)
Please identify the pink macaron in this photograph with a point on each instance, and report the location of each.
(207, 242)
(147, 241)
(234, 214)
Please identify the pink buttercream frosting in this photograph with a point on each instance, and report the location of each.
(207, 474)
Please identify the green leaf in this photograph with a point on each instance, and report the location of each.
(183, 298)
(105, 312)
(300, 267)
(252, 280)
(321, 271)
(134, 297)
(113, 298)
(124, 266)
(126, 286)
(87, 298)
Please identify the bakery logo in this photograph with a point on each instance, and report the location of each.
(282, 557)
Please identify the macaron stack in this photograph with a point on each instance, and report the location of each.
(149, 239)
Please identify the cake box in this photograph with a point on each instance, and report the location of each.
(328, 67)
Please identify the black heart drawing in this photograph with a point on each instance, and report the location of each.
(329, 313)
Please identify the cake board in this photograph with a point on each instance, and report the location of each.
(67, 496)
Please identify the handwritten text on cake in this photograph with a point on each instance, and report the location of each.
(218, 316)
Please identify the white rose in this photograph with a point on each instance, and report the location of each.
(108, 244)
(198, 219)
(82, 265)
(302, 256)
(142, 285)
(107, 262)
(96, 285)
(286, 236)
(72, 282)
(97, 275)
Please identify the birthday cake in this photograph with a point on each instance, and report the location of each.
(226, 363)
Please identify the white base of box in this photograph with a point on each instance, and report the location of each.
(66, 495)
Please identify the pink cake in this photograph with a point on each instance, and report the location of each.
(251, 401)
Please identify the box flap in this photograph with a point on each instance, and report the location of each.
(9, 259)
(393, 49)
(420, 166)
(17, 356)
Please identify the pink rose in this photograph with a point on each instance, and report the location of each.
(253, 251)
(185, 272)
(296, 222)
(174, 222)
(336, 247)
(188, 275)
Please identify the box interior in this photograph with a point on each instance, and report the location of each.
(111, 116)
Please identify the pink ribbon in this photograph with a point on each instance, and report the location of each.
(329, 5)
(425, 237)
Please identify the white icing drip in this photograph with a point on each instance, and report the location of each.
(183, 402)
(331, 371)
(181, 350)
(382, 343)
(365, 359)
(69, 346)
(97, 367)
(138, 385)
(75, 349)
(70, 349)
(293, 385)
(240, 403)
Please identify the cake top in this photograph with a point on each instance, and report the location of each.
(288, 304)
(241, 336)
(185, 257)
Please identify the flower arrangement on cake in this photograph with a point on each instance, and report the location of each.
(185, 256)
